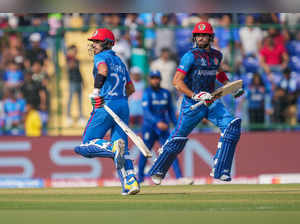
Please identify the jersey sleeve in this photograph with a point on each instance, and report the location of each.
(98, 61)
(186, 63)
(146, 103)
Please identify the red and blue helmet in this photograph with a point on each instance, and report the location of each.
(103, 34)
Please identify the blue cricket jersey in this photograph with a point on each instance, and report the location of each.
(200, 67)
(117, 78)
(13, 110)
(157, 106)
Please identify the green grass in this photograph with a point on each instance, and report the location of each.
(241, 204)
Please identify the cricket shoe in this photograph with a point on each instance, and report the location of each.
(132, 187)
(185, 181)
(118, 150)
(156, 179)
(224, 177)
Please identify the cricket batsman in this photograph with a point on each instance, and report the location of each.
(195, 77)
(158, 114)
(112, 86)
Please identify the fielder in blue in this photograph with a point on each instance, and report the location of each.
(195, 78)
(158, 114)
(112, 85)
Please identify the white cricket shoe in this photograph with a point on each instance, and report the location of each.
(156, 179)
(224, 177)
(185, 181)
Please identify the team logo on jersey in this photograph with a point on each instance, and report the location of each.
(203, 62)
(201, 27)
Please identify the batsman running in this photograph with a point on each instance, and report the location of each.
(195, 78)
(112, 86)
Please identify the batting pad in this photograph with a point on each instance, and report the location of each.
(225, 153)
(95, 148)
(170, 150)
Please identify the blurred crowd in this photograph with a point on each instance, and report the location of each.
(261, 49)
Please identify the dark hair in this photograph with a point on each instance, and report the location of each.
(261, 83)
(287, 71)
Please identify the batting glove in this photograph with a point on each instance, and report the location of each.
(238, 93)
(205, 97)
(96, 100)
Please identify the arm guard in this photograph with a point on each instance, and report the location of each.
(99, 81)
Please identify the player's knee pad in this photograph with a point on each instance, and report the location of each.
(226, 148)
(95, 148)
(169, 152)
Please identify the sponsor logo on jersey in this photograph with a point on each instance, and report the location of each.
(159, 102)
(206, 72)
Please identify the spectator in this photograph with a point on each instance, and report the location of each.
(36, 53)
(268, 18)
(135, 100)
(55, 21)
(75, 82)
(276, 35)
(294, 52)
(165, 37)
(182, 40)
(139, 56)
(147, 20)
(123, 47)
(13, 112)
(167, 68)
(251, 37)
(224, 35)
(87, 19)
(131, 22)
(256, 101)
(33, 92)
(42, 78)
(12, 51)
(273, 58)
(289, 84)
(13, 76)
(33, 123)
(279, 102)
(37, 71)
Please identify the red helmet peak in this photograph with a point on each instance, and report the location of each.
(103, 34)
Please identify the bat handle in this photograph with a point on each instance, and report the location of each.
(196, 105)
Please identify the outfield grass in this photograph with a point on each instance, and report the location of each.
(243, 204)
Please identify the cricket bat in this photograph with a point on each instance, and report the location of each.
(229, 88)
(138, 141)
